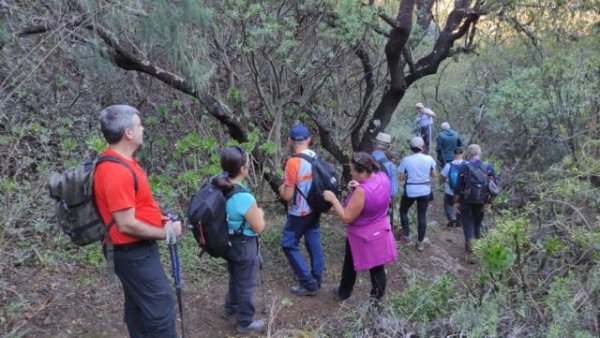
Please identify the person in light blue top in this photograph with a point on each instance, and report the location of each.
(237, 207)
(245, 221)
(424, 123)
(449, 176)
(382, 143)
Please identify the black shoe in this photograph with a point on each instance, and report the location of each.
(451, 223)
(227, 316)
(299, 290)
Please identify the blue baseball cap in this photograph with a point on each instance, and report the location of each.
(299, 132)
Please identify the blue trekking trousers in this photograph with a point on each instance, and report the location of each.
(309, 227)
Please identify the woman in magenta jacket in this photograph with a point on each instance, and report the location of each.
(370, 242)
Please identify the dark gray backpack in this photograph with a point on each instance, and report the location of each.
(76, 210)
(479, 187)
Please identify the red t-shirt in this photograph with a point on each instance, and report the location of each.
(114, 191)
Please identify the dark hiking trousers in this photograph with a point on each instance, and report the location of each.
(422, 204)
(378, 278)
(149, 303)
(448, 208)
(426, 134)
(471, 216)
(242, 264)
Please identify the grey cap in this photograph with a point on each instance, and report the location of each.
(417, 142)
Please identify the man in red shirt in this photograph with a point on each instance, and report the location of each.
(124, 199)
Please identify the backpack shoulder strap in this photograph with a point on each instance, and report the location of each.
(310, 160)
(236, 189)
(114, 159)
(382, 162)
(306, 157)
(487, 167)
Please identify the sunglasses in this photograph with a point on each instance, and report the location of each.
(362, 161)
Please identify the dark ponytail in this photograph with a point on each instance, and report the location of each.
(364, 162)
(232, 161)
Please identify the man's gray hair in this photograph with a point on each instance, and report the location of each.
(474, 150)
(114, 120)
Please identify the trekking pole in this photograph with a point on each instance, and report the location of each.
(265, 308)
(174, 255)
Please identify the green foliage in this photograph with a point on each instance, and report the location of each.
(191, 143)
(552, 245)
(269, 147)
(425, 303)
(480, 321)
(352, 20)
(97, 144)
(235, 95)
(173, 29)
(498, 248)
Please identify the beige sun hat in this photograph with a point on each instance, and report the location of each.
(383, 139)
(419, 105)
(445, 125)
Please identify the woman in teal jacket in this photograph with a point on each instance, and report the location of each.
(245, 221)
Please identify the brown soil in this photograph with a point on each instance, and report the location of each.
(69, 302)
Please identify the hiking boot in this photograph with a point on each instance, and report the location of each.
(420, 246)
(256, 325)
(471, 259)
(451, 223)
(226, 315)
(300, 290)
(405, 240)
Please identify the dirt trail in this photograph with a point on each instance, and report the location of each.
(69, 305)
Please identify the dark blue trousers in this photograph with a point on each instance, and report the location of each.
(472, 217)
(242, 264)
(309, 227)
(149, 303)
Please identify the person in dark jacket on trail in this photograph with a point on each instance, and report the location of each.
(447, 141)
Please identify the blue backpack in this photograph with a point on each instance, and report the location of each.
(453, 175)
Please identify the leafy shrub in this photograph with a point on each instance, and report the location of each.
(425, 303)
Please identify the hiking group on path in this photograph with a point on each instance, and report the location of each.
(134, 221)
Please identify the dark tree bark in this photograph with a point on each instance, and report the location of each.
(460, 20)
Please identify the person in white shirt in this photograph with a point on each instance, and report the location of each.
(425, 125)
(417, 170)
(450, 175)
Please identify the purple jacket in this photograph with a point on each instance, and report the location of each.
(370, 235)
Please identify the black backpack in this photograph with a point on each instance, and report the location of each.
(323, 178)
(76, 210)
(207, 216)
(477, 182)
